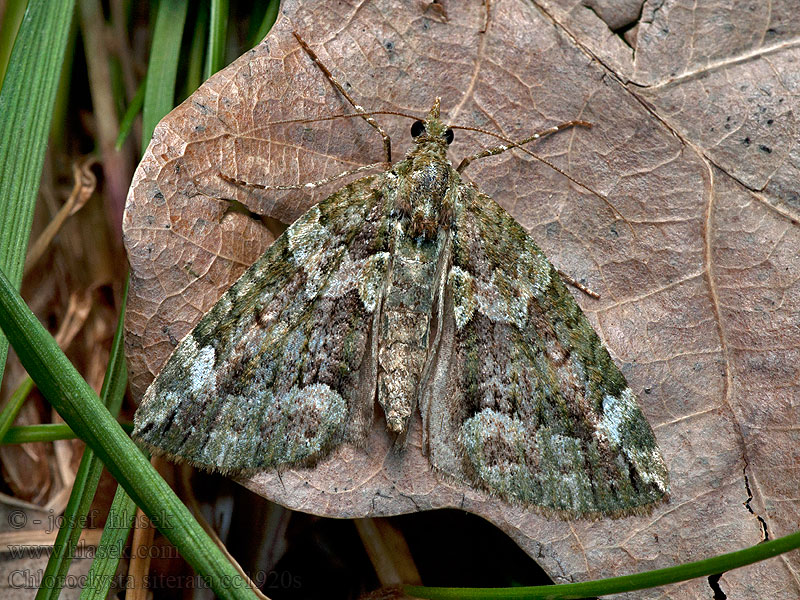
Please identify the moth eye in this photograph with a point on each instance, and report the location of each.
(417, 129)
(449, 136)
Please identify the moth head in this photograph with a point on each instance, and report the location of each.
(432, 129)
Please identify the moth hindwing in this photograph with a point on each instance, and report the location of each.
(410, 290)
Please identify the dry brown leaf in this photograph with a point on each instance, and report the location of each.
(693, 142)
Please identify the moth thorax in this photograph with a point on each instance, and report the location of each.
(430, 182)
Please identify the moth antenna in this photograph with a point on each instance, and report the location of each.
(341, 116)
(578, 285)
(387, 142)
(487, 16)
(512, 144)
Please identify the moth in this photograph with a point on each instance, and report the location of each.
(410, 290)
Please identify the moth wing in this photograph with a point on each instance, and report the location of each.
(281, 369)
(524, 399)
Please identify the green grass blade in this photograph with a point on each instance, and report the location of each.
(9, 25)
(270, 16)
(82, 410)
(159, 96)
(111, 548)
(126, 124)
(618, 585)
(26, 106)
(61, 104)
(88, 475)
(194, 69)
(69, 532)
(14, 405)
(218, 36)
(45, 432)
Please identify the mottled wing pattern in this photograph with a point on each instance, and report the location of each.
(525, 400)
(281, 369)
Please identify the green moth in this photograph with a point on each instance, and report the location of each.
(410, 290)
